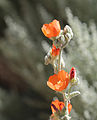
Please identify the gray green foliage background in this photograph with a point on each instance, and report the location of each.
(24, 94)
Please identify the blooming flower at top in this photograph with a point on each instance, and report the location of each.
(52, 29)
(57, 105)
(59, 82)
(55, 51)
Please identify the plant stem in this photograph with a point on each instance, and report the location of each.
(66, 112)
(66, 107)
(64, 97)
(64, 45)
(59, 60)
(69, 90)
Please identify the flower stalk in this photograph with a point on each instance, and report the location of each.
(59, 60)
(66, 112)
(61, 81)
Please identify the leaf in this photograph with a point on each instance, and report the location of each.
(73, 94)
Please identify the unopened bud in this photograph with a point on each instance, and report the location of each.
(72, 73)
(47, 58)
(67, 29)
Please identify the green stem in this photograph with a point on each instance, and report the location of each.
(66, 107)
(59, 60)
(69, 90)
(64, 45)
(64, 97)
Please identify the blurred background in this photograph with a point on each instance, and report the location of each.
(24, 94)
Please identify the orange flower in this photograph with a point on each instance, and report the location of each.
(55, 51)
(58, 82)
(52, 29)
(57, 105)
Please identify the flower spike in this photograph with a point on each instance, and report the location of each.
(61, 81)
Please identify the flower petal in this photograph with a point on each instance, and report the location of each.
(51, 85)
(52, 29)
(69, 107)
(55, 51)
(64, 77)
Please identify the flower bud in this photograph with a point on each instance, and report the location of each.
(47, 58)
(67, 29)
(72, 73)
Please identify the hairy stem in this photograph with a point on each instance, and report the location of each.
(64, 45)
(59, 60)
(66, 112)
(66, 107)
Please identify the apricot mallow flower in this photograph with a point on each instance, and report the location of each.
(52, 29)
(55, 51)
(59, 82)
(57, 105)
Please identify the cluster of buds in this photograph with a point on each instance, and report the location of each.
(61, 81)
(60, 39)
